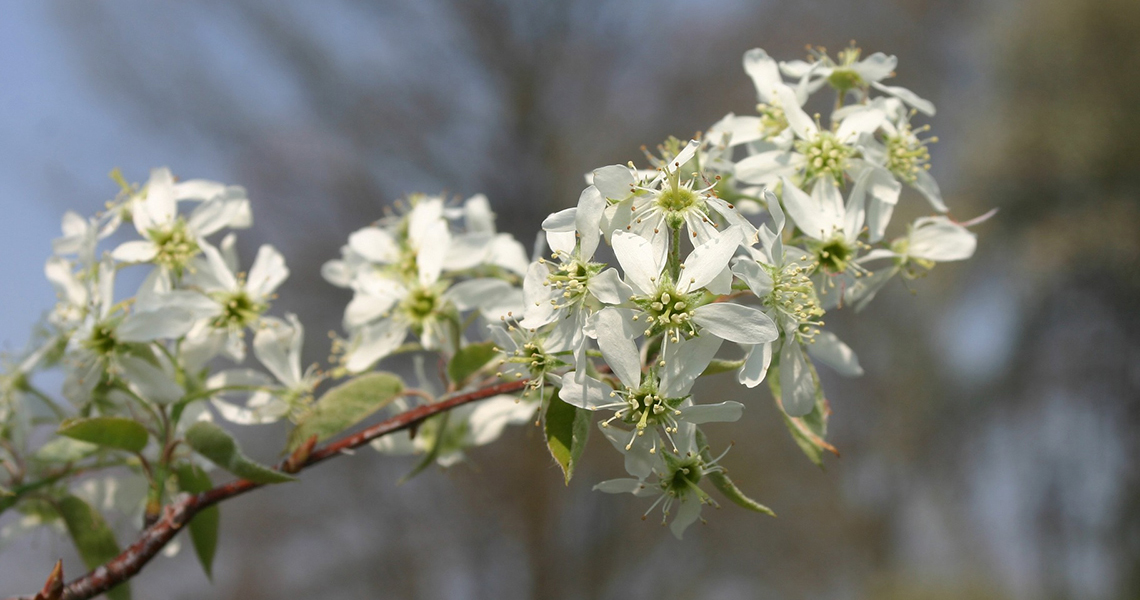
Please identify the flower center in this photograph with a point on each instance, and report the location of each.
(238, 310)
(667, 310)
(834, 254)
(102, 340)
(175, 246)
(773, 120)
(793, 294)
(420, 304)
(571, 278)
(683, 474)
(845, 79)
(907, 155)
(826, 156)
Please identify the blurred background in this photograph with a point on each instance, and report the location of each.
(989, 452)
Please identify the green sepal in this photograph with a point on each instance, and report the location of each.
(93, 538)
(346, 405)
(468, 360)
(567, 430)
(439, 424)
(217, 445)
(204, 526)
(112, 432)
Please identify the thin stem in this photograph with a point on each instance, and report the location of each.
(178, 514)
(47, 400)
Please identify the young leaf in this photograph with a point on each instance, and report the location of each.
(113, 432)
(204, 525)
(216, 444)
(721, 482)
(469, 360)
(346, 405)
(93, 538)
(567, 429)
(809, 430)
(721, 366)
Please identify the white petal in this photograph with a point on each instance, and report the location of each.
(163, 323)
(924, 183)
(768, 167)
(375, 244)
(638, 461)
(277, 346)
(149, 381)
(539, 311)
(561, 221)
(608, 287)
(911, 98)
(614, 182)
(798, 120)
(625, 485)
(805, 213)
(591, 205)
(615, 340)
(754, 275)
(493, 415)
(423, 220)
(477, 293)
(636, 256)
(685, 155)
(706, 261)
(478, 216)
(764, 72)
(507, 252)
(797, 388)
(375, 342)
(722, 412)
(135, 251)
(939, 239)
(828, 349)
(684, 362)
(755, 365)
(267, 273)
(733, 130)
(688, 509)
(432, 251)
(736, 323)
(876, 67)
(583, 391)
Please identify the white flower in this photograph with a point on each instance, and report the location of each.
(901, 152)
(566, 292)
(480, 244)
(277, 346)
(666, 203)
(677, 476)
(678, 308)
(170, 240)
(229, 301)
(852, 74)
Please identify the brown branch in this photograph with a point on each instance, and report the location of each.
(178, 513)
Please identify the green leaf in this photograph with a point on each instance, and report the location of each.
(93, 538)
(722, 366)
(216, 444)
(204, 525)
(113, 432)
(62, 450)
(567, 430)
(810, 430)
(722, 482)
(469, 360)
(346, 405)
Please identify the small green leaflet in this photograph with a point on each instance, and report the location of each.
(204, 526)
(469, 360)
(725, 485)
(721, 366)
(346, 405)
(112, 432)
(220, 448)
(567, 430)
(93, 538)
(809, 430)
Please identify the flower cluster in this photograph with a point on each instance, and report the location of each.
(722, 254)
